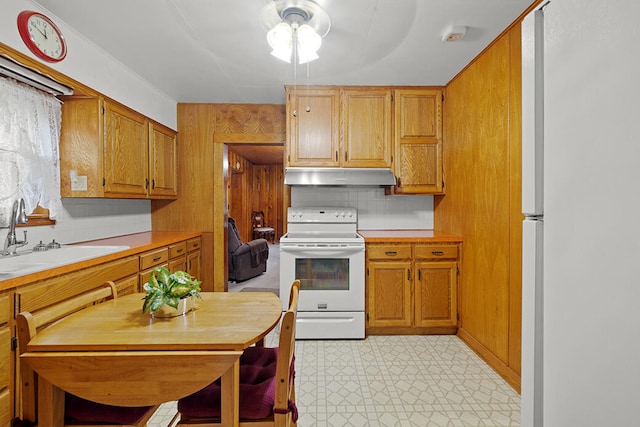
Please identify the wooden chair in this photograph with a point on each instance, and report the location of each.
(78, 411)
(260, 230)
(267, 391)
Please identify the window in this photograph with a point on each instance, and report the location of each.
(29, 161)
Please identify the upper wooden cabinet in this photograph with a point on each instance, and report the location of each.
(163, 172)
(108, 150)
(126, 154)
(313, 122)
(418, 162)
(369, 127)
(339, 127)
(366, 128)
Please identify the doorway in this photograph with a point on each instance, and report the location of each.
(256, 183)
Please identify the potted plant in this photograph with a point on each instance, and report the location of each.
(170, 294)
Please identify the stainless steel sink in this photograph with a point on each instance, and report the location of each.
(28, 262)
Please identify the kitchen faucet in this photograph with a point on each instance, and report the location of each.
(18, 216)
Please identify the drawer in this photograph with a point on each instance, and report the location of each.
(177, 250)
(389, 252)
(153, 258)
(193, 244)
(56, 289)
(145, 275)
(436, 251)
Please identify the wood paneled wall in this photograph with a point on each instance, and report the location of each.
(483, 198)
(255, 187)
(204, 132)
(268, 187)
(239, 193)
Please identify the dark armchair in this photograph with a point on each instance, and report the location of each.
(246, 260)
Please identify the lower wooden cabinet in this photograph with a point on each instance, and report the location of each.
(178, 257)
(181, 256)
(194, 257)
(150, 260)
(412, 288)
(128, 274)
(6, 361)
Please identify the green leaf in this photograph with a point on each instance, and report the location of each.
(166, 288)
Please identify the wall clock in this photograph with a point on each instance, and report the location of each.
(42, 36)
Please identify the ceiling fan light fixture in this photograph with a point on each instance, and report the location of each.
(308, 42)
(280, 38)
(295, 24)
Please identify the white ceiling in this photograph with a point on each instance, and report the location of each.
(216, 50)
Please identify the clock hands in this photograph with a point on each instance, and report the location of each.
(44, 34)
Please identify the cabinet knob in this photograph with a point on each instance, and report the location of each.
(437, 253)
(391, 253)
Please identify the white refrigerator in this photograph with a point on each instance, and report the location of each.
(533, 224)
(581, 247)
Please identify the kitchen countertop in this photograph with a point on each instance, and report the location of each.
(414, 236)
(138, 243)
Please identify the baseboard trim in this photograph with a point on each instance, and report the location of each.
(411, 330)
(508, 374)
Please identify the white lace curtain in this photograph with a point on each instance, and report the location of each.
(29, 140)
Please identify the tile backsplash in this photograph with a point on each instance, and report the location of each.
(375, 210)
(89, 219)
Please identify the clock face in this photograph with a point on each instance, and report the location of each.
(41, 36)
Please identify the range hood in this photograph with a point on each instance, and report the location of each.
(372, 177)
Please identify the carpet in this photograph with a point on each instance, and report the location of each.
(269, 281)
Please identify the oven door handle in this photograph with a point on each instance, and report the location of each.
(316, 249)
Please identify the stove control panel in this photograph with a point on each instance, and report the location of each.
(322, 215)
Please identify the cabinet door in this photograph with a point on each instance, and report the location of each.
(163, 172)
(7, 366)
(435, 296)
(366, 128)
(125, 152)
(178, 264)
(389, 293)
(81, 142)
(418, 141)
(193, 264)
(313, 123)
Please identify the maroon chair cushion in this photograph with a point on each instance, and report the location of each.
(78, 409)
(257, 388)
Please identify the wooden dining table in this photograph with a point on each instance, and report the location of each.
(113, 353)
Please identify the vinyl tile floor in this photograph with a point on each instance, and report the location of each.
(421, 381)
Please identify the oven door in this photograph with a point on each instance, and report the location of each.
(331, 275)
